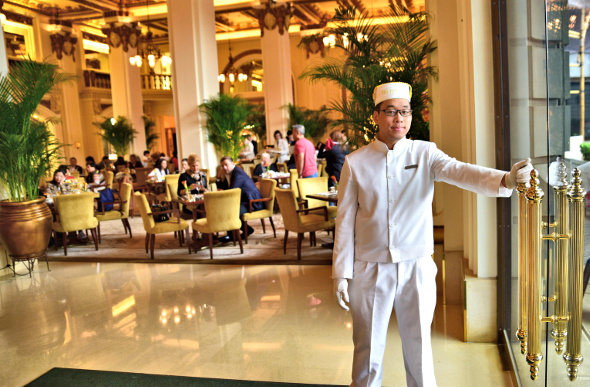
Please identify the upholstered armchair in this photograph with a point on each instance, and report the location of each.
(293, 181)
(223, 214)
(122, 213)
(267, 189)
(174, 224)
(301, 220)
(315, 185)
(108, 179)
(73, 213)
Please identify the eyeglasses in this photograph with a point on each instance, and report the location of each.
(393, 112)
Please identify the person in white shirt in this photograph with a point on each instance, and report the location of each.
(282, 147)
(248, 150)
(384, 237)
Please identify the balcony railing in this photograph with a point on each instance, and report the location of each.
(97, 79)
(101, 80)
(156, 82)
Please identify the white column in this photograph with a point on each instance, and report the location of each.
(125, 78)
(3, 58)
(194, 74)
(126, 92)
(278, 84)
(67, 49)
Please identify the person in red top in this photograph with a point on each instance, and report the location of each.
(305, 158)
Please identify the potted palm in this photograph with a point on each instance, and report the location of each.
(316, 122)
(227, 116)
(374, 54)
(28, 150)
(118, 133)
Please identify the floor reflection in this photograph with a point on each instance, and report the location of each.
(276, 323)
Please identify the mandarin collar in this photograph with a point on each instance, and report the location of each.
(397, 148)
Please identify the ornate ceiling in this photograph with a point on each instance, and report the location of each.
(230, 15)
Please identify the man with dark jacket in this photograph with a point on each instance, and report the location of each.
(237, 178)
(335, 157)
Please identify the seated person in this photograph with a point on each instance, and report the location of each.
(221, 179)
(195, 180)
(74, 169)
(160, 171)
(94, 178)
(104, 164)
(264, 165)
(237, 178)
(57, 185)
(145, 159)
(248, 150)
(184, 166)
(134, 162)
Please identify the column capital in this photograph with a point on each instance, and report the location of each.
(62, 42)
(273, 16)
(122, 34)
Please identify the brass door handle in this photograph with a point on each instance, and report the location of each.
(569, 245)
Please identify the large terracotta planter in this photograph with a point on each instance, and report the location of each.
(25, 228)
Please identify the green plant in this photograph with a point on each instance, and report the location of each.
(316, 122)
(257, 122)
(227, 116)
(375, 54)
(585, 148)
(27, 146)
(119, 133)
(150, 134)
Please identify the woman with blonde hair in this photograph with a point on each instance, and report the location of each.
(193, 181)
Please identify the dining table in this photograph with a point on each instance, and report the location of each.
(331, 197)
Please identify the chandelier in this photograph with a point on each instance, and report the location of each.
(151, 53)
(231, 73)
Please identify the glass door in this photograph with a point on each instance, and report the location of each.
(548, 317)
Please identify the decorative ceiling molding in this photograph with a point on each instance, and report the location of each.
(63, 43)
(118, 34)
(94, 38)
(18, 18)
(275, 16)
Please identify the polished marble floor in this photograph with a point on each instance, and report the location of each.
(269, 323)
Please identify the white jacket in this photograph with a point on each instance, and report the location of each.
(385, 201)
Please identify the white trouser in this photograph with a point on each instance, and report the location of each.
(377, 288)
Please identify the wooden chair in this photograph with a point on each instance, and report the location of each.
(141, 178)
(174, 224)
(267, 189)
(74, 213)
(301, 220)
(165, 196)
(223, 214)
(121, 214)
(315, 185)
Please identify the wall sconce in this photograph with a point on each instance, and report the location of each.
(77, 145)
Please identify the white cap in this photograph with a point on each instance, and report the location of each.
(392, 90)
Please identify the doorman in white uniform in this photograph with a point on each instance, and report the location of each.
(384, 242)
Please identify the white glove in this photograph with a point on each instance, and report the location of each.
(520, 173)
(341, 292)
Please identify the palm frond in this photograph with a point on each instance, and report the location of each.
(28, 146)
(226, 118)
(394, 52)
(150, 135)
(119, 133)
